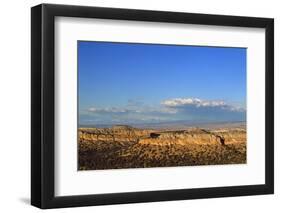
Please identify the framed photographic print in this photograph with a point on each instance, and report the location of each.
(139, 106)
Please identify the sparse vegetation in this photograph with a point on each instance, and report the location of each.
(127, 147)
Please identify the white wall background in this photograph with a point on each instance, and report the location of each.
(15, 105)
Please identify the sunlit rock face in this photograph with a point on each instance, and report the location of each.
(123, 146)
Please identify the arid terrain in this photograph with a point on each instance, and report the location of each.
(123, 146)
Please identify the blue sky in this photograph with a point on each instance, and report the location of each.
(123, 83)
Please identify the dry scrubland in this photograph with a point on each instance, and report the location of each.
(126, 147)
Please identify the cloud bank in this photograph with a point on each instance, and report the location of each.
(175, 109)
(199, 103)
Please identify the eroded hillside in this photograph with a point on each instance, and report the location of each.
(127, 147)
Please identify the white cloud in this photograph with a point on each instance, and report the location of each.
(196, 102)
(108, 110)
(129, 109)
(188, 109)
(191, 101)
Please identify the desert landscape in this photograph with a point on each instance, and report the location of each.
(143, 105)
(124, 146)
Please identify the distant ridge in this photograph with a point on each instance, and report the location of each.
(121, 126)
(173, 125)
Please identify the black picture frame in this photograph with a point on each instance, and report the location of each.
(43, 110)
